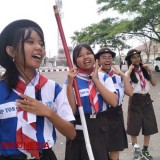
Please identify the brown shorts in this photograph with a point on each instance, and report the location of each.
(117, 135)
(97, 129)
(141, 115)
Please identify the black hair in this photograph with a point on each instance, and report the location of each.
(133, 75)
(15, 40)
(78, 49)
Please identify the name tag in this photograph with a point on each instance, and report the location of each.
(8, 110)
(84, 92)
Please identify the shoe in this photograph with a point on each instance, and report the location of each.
(146, 155)
(136, 152)
(142, 157)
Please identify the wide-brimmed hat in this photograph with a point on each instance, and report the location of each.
(104, 50)
(131, 53)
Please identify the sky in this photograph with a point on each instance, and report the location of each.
(77, 14)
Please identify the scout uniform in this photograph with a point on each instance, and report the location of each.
(97, 123)
(52, 95)
(117, 140)
(117, 134)
(140, 109)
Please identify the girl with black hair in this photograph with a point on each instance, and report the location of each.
(140, 109)
(97, 92)
(31, 106)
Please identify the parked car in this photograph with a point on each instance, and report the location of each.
(157, 64)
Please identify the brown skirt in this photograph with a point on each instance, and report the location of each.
(141, 115)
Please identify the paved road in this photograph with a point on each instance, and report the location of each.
(126, 154)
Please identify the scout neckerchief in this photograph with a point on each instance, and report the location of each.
(111, 73)
(26, 123)
(142, 79)
(93, 96)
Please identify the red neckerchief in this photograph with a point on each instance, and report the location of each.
(21, 136)
(111, 73)
(93, 96)
(21, 86)
(142, 79)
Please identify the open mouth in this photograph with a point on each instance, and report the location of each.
(107, 64)
(87, 62)
(37, 56)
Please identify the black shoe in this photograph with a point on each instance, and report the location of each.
(146, 155)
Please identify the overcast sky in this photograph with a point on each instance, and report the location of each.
(77, 14)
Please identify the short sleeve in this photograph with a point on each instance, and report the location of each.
(61, 101)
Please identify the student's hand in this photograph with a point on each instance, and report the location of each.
(71, 75)
(32, 105)
(95, 74)
(117, 71)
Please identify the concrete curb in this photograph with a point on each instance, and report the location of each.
(45, 70)
(53, 70)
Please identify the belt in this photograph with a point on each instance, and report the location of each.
(92, 116)
(78, 125)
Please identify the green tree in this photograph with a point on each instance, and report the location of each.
(143, 16)
(102, 33)
(143, 19)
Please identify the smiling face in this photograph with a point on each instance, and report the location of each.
(33, 52)
(105, 60)
(85, 60)
(136, 59)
